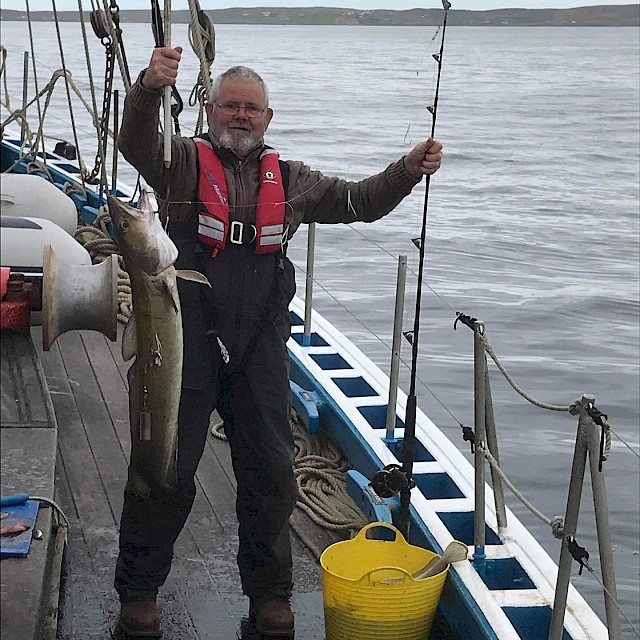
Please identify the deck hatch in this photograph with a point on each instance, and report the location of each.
(316, 340)
(376, 416)
(296, 320)
(355, 387)
(421, 453)
(504, 574)
(330, 361)
(437, 486)
(532, 623)
(460, 526)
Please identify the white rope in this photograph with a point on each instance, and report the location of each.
(54, 505)
(28, 145)
(556, 523)
(544, 405)
(202, 40)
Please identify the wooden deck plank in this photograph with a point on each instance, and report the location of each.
(202, 598)
(113, 387)
(98, 426)
(105, 361)
(25, 400)
(82, 470)
(116, 352)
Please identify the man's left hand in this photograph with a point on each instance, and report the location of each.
(424, 159)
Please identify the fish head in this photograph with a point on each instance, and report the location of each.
(140, 235)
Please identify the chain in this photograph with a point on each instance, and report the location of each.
(98, 23)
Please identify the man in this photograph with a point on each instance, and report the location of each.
(232, 208)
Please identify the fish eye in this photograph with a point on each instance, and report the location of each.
(124, 225)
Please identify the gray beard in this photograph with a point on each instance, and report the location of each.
(241, 144)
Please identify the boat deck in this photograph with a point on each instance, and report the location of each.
(202, 597)
(84, 383)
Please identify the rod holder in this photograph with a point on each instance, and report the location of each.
(395, 350)
(479, 395)
(308, 294)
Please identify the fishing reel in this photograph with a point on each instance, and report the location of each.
(390, 481)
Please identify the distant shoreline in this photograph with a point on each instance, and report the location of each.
(597, 16)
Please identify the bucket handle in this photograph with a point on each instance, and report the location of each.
(399, 538)
(404, 576)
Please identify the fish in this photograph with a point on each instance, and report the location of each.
(13, 530)
(153, 336)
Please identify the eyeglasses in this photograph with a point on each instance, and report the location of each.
(231, 109)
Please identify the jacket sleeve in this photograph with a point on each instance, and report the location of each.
(142, 145)
(333, 200)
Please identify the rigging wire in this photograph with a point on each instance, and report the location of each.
(66, 84)
(113, 21)
(420, 272)
(35, 80)
(96, 121)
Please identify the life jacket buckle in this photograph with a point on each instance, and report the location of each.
(236, 232)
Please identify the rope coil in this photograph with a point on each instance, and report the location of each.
(97, 241)
(320, 472)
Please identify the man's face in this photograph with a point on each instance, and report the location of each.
(239, 132)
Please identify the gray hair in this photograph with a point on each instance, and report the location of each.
(238, 73)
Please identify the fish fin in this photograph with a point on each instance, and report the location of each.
(172, 290)
(193, 276)
(130, 339)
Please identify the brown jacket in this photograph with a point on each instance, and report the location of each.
(312, 196)
(250, 293)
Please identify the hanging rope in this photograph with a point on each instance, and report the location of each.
(35, 82)
(28, 146)
(202, 38)
(66, 76)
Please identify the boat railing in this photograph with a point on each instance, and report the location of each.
(593, 441)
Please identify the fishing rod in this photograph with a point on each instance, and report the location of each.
(393, 478)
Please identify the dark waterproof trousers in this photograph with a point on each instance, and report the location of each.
(255, 407)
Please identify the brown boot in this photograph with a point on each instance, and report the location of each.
(140, 619)
(273, 618)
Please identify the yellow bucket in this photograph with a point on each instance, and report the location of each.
(361, 603)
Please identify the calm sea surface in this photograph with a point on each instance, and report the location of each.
(533, 220)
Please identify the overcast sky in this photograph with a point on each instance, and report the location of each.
(36, 5)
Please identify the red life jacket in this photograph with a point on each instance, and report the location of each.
(213, 221)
